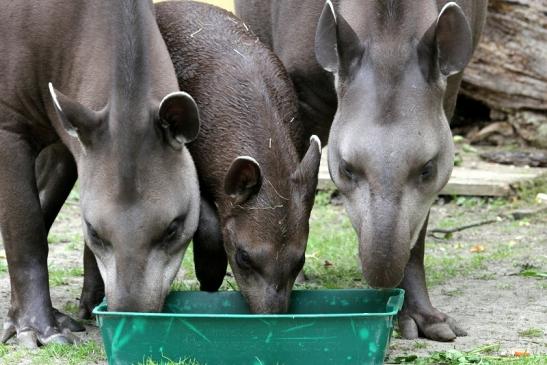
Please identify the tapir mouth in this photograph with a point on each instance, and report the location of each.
(386, 270)
(268, 304)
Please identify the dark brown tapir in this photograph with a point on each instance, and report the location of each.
(123, 128)
(379, 80)
(257, 187)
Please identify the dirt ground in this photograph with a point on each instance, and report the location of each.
(482, 290)
(490, 300)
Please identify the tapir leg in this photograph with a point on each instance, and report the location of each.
(56, 174)
(93, 289)
(31, 315)
(210, 259)
(418, 316)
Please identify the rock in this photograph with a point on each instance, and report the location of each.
(530, 126)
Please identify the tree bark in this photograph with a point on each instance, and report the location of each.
(509, 69)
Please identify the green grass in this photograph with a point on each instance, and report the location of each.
(170, 362)
(528, 192)
(331, 254)
(89, 352)
(58, 276)
(439, 269)
(531, 333)
(483, 355)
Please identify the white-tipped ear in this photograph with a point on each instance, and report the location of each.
(77, 120)
(54, 96)
(317, 141)
(454, 39)
(326, 39)
(307, 172)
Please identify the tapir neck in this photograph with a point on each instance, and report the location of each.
(131, 73)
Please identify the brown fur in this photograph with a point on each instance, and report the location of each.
(248, 108)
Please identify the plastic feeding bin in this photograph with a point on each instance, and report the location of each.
(322, 327)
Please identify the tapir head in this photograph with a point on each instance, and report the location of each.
(139, 192)
(266, 230)
(391, 149)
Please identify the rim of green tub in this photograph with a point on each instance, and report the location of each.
(393, 305)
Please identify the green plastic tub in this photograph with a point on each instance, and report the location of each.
(322, 327)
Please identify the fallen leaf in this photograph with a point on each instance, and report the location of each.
(477, 249)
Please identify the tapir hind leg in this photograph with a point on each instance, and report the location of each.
(418, 316)
(210, 259)
(31, 315)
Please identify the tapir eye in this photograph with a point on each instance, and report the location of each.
(94, 238)
(346, 170)
(92, 232)
(172, 230)
(243, 260)
(428, 171)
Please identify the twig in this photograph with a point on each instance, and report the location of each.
(446, 233)
(196, 32)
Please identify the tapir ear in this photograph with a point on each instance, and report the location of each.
(179, 117)
(306, 175)
(336, 44)
(454, 40)
(243, 179)
(326, 39)
(77, 120)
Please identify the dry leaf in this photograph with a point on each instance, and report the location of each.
(477, 249)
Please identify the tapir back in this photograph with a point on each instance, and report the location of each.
(96, 76)
(70, 44)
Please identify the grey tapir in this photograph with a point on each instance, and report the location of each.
(379, 80)
(257, 188)
(125, 124)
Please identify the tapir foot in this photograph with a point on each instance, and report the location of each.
(40, 332)
(87, 305)
(430, 323)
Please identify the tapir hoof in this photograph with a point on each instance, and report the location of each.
(29, 337)
(437, 326)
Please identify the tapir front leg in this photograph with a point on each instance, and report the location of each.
(31, 315)
(93, 288)
(418, 316)
(210, 258)
(56, 174)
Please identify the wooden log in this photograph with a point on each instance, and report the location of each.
(509, 70)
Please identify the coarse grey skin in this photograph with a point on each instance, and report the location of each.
(254, 214)
(379, 80)
(112, 127)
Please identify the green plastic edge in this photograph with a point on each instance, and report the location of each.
(395, 302)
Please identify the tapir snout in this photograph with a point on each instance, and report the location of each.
(384, 244)
(269, 299)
